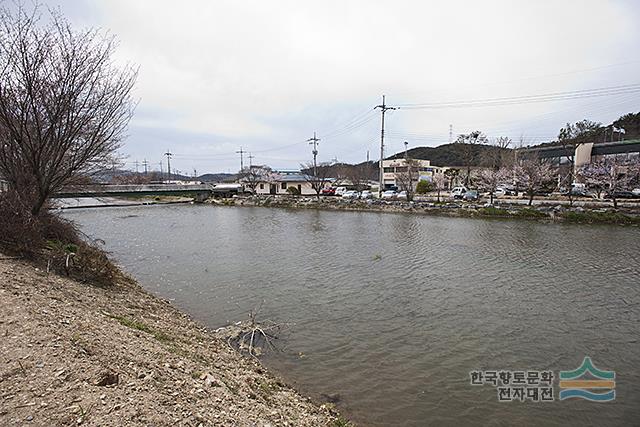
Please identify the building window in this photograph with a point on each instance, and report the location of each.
(299, 188)
(262, 186)
(388, 170)
(284, 185)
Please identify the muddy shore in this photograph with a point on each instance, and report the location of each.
(76, 354)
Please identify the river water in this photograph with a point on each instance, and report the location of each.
(391, 312)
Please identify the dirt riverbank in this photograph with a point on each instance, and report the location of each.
(76, 354)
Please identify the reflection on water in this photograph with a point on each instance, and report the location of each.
(391, 312)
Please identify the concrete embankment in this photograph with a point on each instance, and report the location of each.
(75, 354)
(550, 212)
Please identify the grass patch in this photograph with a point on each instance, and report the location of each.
(133, 324)
(341, 422)
(493, 211)
(530, 213)
(162, 337)
(591, 217)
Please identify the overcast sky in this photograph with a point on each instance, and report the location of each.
(264, 75)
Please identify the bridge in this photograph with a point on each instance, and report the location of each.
(199, 192)
(587, 151)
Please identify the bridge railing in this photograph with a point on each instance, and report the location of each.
(133, 188)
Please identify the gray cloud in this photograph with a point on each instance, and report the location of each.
(216, 75)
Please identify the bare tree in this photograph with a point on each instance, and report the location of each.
(569, 137)
(610, 174)
(253, 175)
(468, 150)
(407, 177)
(439, 183)
(64, 105)
(532, 174)
(322, 173)
(358, 175)
(495, 160)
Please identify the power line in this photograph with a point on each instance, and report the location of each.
(526, 99)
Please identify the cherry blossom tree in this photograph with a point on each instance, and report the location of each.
(490, 179)
(610, 174)
(439, 183)
(532, 174)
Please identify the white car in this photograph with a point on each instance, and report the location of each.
(458, 192)
(636, 192)
(340, 191)
(401, 195)
(351, 194)
(366, 194)
(389, 194)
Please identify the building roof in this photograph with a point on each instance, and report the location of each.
(293, 178)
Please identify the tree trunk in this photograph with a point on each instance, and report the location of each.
(438, 196)
(491, 197)
(615, 203)
(37, 207)
(531, 198)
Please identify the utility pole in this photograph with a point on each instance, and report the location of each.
(383, 109)
(137, 163)
(314, 141)
(161, 173)
(251, 157)
(406, 155)
(450, 133)
(241, 152)
(145, 163)
(168, 154)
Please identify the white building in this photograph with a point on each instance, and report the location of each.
(281, 182)
(395, 166)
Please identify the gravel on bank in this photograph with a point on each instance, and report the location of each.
(76, 354)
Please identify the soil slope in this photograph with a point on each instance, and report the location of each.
(75, 354)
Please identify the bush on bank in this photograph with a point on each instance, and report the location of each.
(53, 243)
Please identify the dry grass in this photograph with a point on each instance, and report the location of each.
(53, 243)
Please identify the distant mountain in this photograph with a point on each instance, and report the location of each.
(126, 176)
(217, 177)
(452, 154)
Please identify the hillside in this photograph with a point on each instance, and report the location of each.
(452, 154)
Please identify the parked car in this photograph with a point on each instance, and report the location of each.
(389, 194)
(621, 194)
(471, 195)
(340, 191)
(458, 192)
(366, 194)
(636, 192)
(579, 192)
(351, 194)
(505, 191)
(402, 195)
(331, 191)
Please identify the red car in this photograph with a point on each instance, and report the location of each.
(331, 191)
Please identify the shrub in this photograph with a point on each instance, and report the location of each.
(424, 187)
(51, 241)
(293, 191)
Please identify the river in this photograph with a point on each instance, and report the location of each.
(389, 313)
